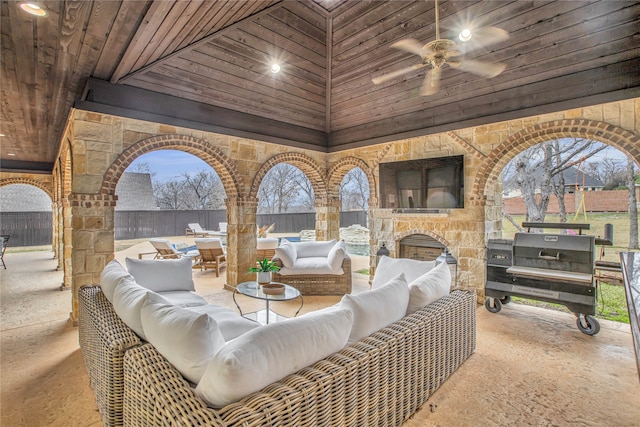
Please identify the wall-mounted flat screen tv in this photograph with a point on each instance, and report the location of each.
(436, 183)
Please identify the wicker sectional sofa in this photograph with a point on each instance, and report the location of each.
(382, 379)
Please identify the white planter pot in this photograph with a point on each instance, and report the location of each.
(264, 276)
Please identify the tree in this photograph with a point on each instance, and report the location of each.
(536, 171)
(354, 190)
(197, 190)
(279, 189)
(633, 205)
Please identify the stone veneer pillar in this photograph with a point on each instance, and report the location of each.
(91, 240)
(328, 219)
(67, 248)
(241, 241)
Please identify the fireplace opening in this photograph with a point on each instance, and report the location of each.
(420, 247)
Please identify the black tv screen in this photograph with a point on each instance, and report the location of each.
(436, 183)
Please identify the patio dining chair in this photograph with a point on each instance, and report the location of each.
(4, 242)
(212, 254)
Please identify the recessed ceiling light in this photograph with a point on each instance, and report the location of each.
(11, 154)
(1, 135)
(275, 68)
(33, 9)
(465, 35)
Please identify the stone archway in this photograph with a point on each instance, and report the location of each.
(214, 157)
(46, 187)
(488, 173)
(339, 169)
(306, 164)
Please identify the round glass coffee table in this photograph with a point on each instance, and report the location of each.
(253, 290)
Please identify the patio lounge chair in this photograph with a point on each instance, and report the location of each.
(194, 229)
(266, 247)
(4, 241)
(211, 254)
(165, 250)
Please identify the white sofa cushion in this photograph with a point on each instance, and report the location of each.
(314, 248)
(311, 265)
(187, 339)
(183, 298)
(128, 298)
(112, 275)
(336, 256)
(267, 354)
(388, 268)
(429, 287)
(287, 253)
(375, 309)
(160, 275)
(231, 324)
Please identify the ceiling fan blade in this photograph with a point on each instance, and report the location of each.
(431, 82)
(481, 68)
(386, 77)
(409, 45)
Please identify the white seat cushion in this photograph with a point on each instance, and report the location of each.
(231, 324)
(184, 298)
(161, 275)
(311, 265)
(269, 353)
(112, 275)
(375, 309)
(429, 287)
(187, 339)
(388, 268)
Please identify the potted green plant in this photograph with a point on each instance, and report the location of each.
(263, 269)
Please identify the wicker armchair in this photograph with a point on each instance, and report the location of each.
(318, 284)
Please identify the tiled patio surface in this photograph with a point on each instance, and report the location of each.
(531, 366)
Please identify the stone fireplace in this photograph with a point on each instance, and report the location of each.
(420, 246)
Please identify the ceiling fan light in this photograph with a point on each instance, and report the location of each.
(465, 35)
(33, 9)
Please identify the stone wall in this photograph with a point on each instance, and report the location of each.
(97, 148)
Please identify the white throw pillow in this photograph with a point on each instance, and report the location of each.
(231, 324)
(429, 287)
(311, 265)
(388, 268)
(112, 275)
(314, 248)
(375, 309)
(188, 340)
(336, 256)
(127, 303)
(161, 275)
(267, 354)
(287, 253)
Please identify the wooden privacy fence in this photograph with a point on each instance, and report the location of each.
(26, 228)
(34, 228)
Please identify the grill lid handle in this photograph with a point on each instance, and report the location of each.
(555, 257)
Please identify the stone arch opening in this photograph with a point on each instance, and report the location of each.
(339, 169)
(213, 156)
(306, 164)
(488, 173)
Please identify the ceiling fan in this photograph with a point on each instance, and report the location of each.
(441, 52)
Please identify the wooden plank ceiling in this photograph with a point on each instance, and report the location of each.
(206, 64)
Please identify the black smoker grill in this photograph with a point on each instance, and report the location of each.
(556, 268)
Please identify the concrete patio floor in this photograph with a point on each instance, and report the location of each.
(531, 366)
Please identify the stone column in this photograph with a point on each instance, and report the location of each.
(328, 219)
(67, 244)
(92, 240)
(241, 241)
